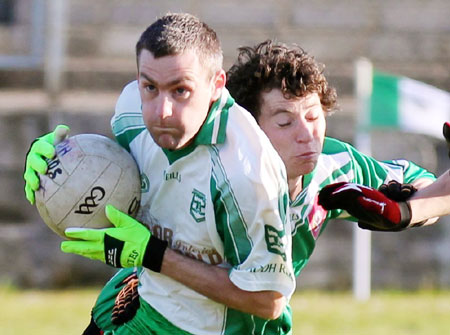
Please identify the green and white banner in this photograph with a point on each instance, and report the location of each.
(408, 105)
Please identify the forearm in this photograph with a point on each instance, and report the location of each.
(422, 183)
(214, 283)
(432, 201)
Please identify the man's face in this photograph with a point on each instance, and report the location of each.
(296, 128)
(176, 93)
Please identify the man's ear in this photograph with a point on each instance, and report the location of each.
(218, 83)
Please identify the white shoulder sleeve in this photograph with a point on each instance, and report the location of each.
(129, 100)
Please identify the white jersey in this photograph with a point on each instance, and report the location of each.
(221, 200)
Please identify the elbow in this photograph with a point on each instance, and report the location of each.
(274, 313)
(271, 308)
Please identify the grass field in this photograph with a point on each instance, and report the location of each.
(315, 313)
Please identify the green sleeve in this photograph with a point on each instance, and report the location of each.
(370, 172)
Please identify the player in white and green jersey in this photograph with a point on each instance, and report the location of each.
(214, 189)
(220, 225)
(217, 251)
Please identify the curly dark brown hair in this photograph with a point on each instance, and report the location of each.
(272, 65)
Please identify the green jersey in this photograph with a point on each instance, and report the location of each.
(339, 162)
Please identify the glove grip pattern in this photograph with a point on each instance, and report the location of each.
(127, 301)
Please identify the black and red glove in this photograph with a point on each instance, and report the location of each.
(397, 191)
(373, 209)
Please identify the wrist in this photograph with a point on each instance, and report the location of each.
(154, 254)
(405, 215)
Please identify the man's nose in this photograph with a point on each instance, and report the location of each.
(164, 107)
(304, 131)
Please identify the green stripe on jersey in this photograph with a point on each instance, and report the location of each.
(235, 320)
(346, 160)
(412, 171)
(126, 127)
(230, 222)
(223, 120)
(283, 203)
(214, 129)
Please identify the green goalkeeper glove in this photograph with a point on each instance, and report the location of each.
(41, 148)
(126, 245)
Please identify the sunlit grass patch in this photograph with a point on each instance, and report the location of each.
(315, 312)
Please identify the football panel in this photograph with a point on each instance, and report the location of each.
(75, 189)
(127, 195)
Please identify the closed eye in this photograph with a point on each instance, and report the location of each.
(284, 124)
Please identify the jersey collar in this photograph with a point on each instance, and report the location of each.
(213, 130)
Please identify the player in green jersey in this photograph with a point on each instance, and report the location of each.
(285, 90)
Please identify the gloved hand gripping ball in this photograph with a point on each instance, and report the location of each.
(41, 148)
(87, 172)
(129, 243)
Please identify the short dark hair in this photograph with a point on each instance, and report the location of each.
(175, 33)
(271, 65)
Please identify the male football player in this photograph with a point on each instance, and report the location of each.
(216, 257)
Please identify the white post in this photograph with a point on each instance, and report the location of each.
(55, 48)
(362, 238)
